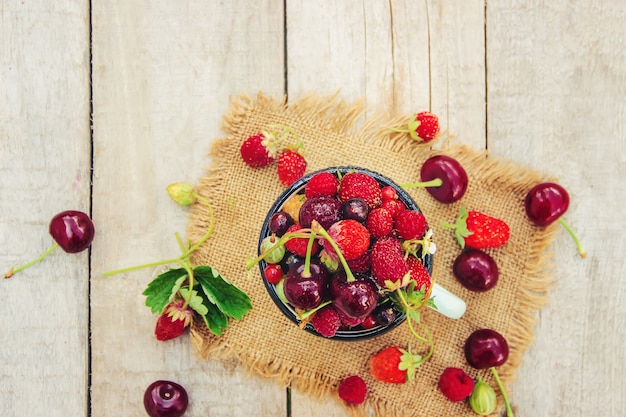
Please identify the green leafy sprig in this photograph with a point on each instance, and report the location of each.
(204, 290)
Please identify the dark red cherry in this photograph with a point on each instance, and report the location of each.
(452, 175)
(280, 222)
(355, 209)
(546, 202)
(356, 298)
(165, 399)
(476, 270)
(486, 348)
(72, 230)
(324, 209)
(306, 292)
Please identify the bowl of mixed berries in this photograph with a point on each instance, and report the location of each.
(335, 248)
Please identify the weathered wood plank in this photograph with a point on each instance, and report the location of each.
(556, 103)
(163, 75)
(45, 159)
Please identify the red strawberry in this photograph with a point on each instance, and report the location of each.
(379, 222)
(425, 126)
(410, 224)
(455, 384)
(419, 273)
(256, 150)
(360, 185)
(394, 365)
(326, 321)
(388, 263)
(173, 321)
(477, 230)
(351, 237)
(291, 166)
(323, 183)
(352, 390)
(298, 245)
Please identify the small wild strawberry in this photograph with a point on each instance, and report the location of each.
(477, 230)
(394, 365)
(388, 262)
(352, 238)
(360, 185)
(256, 152)
(173, 321)
(323, 183)
(291, 166)
(424, 127)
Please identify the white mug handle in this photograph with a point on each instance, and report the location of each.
(447, 303)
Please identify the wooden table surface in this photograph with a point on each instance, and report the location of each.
(104, 103)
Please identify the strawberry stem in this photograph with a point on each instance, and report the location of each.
(189, 268)
(186, 253)
(16, 269)
(509, 410)
(437, 182)
(579, 246)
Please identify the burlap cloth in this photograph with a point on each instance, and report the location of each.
(266, 343)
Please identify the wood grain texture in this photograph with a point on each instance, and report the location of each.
(44, 168)
(163, 77)
(538, 83)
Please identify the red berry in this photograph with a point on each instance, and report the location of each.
(299, 245)
(323, 183)
(254, 152)
(410, 224)
(427, 127)
(273, 273)
(389, 193)
(419, 273)
(326, 321)
(291, 167)
(379, 223)
(360, 185)
(352, 238)
(393, 207)
(369, 322)
(388, 263)
(173, 321)
(353, 390)
(361, 264)
(455, 384)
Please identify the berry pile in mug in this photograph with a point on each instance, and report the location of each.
(342, 248)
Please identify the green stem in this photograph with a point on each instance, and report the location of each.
(437, 182)
(579, 246)
(349, 275)
(509, 410)
(185, 254)
(394, 129)
(16, 269)
(406, 306)
(185, 263)
(286, 237)
(307, 259)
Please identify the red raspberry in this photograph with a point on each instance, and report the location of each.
(393, 207)
(352, 390)
(410, 224)
(326, 321)
(323, 183)
(455, 384)
(298, 245)
(361, 264)
(379, 222)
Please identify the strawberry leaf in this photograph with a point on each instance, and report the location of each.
(196, 302)
(160, 289)
(227, 297)
(214, 319)
(179, 283)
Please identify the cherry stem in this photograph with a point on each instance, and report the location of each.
(16, 269)
(509, 410)
(349, 276)
(437, 182)
(302, 234)
(186, 253)
(579, 246)
(307, 259)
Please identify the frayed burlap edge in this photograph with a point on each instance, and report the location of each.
(331, 113)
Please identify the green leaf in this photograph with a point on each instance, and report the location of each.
(196, 302)
(160, 289)
(227, 297)
(214, 319)
(179, 283)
